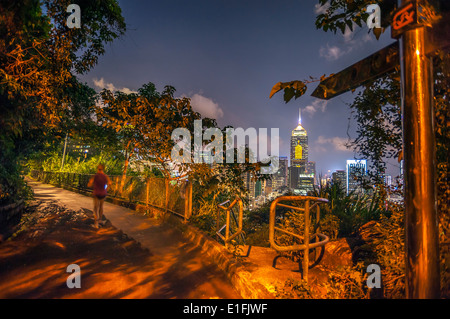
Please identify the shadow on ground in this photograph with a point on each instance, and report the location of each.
(34, 260)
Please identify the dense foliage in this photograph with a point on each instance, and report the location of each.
(40, 96)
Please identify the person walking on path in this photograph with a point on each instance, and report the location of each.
(99, 182)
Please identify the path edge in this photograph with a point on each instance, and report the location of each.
(241, 279)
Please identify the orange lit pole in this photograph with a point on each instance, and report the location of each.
(422, 243)
(421, 31)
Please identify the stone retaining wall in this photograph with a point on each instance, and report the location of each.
(241, 279)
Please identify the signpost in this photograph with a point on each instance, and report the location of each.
(374, 66)
(422, 29)
(422, 242)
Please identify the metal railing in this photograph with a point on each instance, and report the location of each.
(158, 192)
(230, 218)
(176, 197)
(309, 242)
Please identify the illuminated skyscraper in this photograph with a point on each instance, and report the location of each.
(340, 177)
(299, 145)
(301, 172)
(280, 178)
(356, 170)
(310, 168)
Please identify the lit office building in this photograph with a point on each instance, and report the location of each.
(356, 169)
(299, 145)
(340, 177)
(280, 178)
(301, 172)
(305, 184)
(250, 183)
(310, 168)
(388, 180)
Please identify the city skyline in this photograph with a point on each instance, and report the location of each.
(227, 55)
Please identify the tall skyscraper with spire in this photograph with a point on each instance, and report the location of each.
(299, 144)
(301, 177)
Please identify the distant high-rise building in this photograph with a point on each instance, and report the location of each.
(310, 168)
(280, 178)
(299, 145)
(294, 173)
(388, 180)
(250, 184)
(340, 177)
(259, 188)
(356, 169)
(301, 171)
(305, 184)
(300, 182)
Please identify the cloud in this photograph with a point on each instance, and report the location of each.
(331, 53)
(338, 143)
(348, 35)
(206, 107)
(316, 105)
(319, 9)
(355, 38)
(100, 84)
(352, 40)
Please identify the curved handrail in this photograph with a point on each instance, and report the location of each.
(310, 203)
(227, 238)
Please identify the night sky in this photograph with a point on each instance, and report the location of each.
(227, 54)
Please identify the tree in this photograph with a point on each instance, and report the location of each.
(143, 120)
(376, 110)
(39, 59)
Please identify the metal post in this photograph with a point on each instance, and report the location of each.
(190, 200)
(227, 229)
(187, 200)
(147, 208)
(422, 245)
(306, 240)
(64, 152)
(166, 205)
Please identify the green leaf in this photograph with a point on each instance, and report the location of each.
(341, 26)
(288, 94)
(350, 24)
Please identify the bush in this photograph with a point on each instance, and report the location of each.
(206, 217)
(389, 247)
(259, 236)
(294, 289)
(329, 225)
(12, 185)
(347, 283)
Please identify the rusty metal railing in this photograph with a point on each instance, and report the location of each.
(230, 216)
(310, 243)
(148, 192)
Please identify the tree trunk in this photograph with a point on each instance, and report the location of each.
(125, 168)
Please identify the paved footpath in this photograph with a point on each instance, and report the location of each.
(172, 268)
